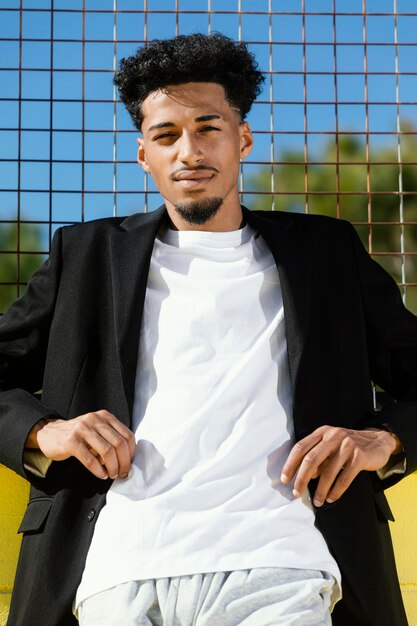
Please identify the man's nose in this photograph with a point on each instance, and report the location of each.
(189, 149)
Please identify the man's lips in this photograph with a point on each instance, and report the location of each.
(193, 179)
(193, 175)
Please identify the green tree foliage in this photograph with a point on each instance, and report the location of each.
(17, 267)
(374, 214)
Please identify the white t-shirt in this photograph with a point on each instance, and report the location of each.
(213, 423)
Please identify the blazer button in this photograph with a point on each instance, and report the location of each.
(91, 515)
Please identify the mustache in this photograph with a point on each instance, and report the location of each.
(209, 168)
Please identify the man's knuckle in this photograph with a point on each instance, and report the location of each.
(327, 474)
(89, 461)
(310, 458)
(349, 442)
(85, 419)
(106, 449)
(344, 482)
(336, 432)
(119, 442)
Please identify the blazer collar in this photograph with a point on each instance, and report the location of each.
(138, 220)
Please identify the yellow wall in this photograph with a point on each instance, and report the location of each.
(403, 500)
(13, 497)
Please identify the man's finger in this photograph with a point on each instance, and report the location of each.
(340, 472)
(113, 449)
(105, 451)
(90, 461)
(320, 468)
(297, 454)
(320, 456)
(122, 430)
(343, 481)
(112, 442)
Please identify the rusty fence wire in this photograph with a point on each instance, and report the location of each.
(335, 126)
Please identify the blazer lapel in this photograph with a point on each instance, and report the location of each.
(290, 247)
(130, 255)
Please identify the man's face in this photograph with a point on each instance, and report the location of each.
(192, 143)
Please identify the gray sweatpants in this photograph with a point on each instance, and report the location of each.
(253, 597)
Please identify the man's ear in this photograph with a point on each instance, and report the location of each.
(246, 140)
(141, 157)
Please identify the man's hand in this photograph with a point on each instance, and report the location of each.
(98, 440)
(337, 455)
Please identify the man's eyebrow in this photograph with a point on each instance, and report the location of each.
(207, 118)
(161, 125)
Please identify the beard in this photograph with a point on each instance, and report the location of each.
(199, 211)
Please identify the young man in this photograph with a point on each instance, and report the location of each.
(202, 368)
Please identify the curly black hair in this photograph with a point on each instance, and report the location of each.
(211, 58)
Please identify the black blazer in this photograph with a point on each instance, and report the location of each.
(75, 333)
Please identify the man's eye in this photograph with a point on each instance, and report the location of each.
(164, 136)
(208, 128)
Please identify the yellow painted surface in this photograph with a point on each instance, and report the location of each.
(13, 498)
(4, 607)
(403, 502)
(402, 498)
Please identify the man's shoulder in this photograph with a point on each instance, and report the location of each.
(108, 225)
(83, 228)
(313, 221)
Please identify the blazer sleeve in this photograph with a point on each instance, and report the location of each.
(392, 349)
(24, 334)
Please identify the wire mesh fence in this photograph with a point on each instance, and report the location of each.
(335, 126)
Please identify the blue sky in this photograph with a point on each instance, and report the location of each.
(80, 132)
